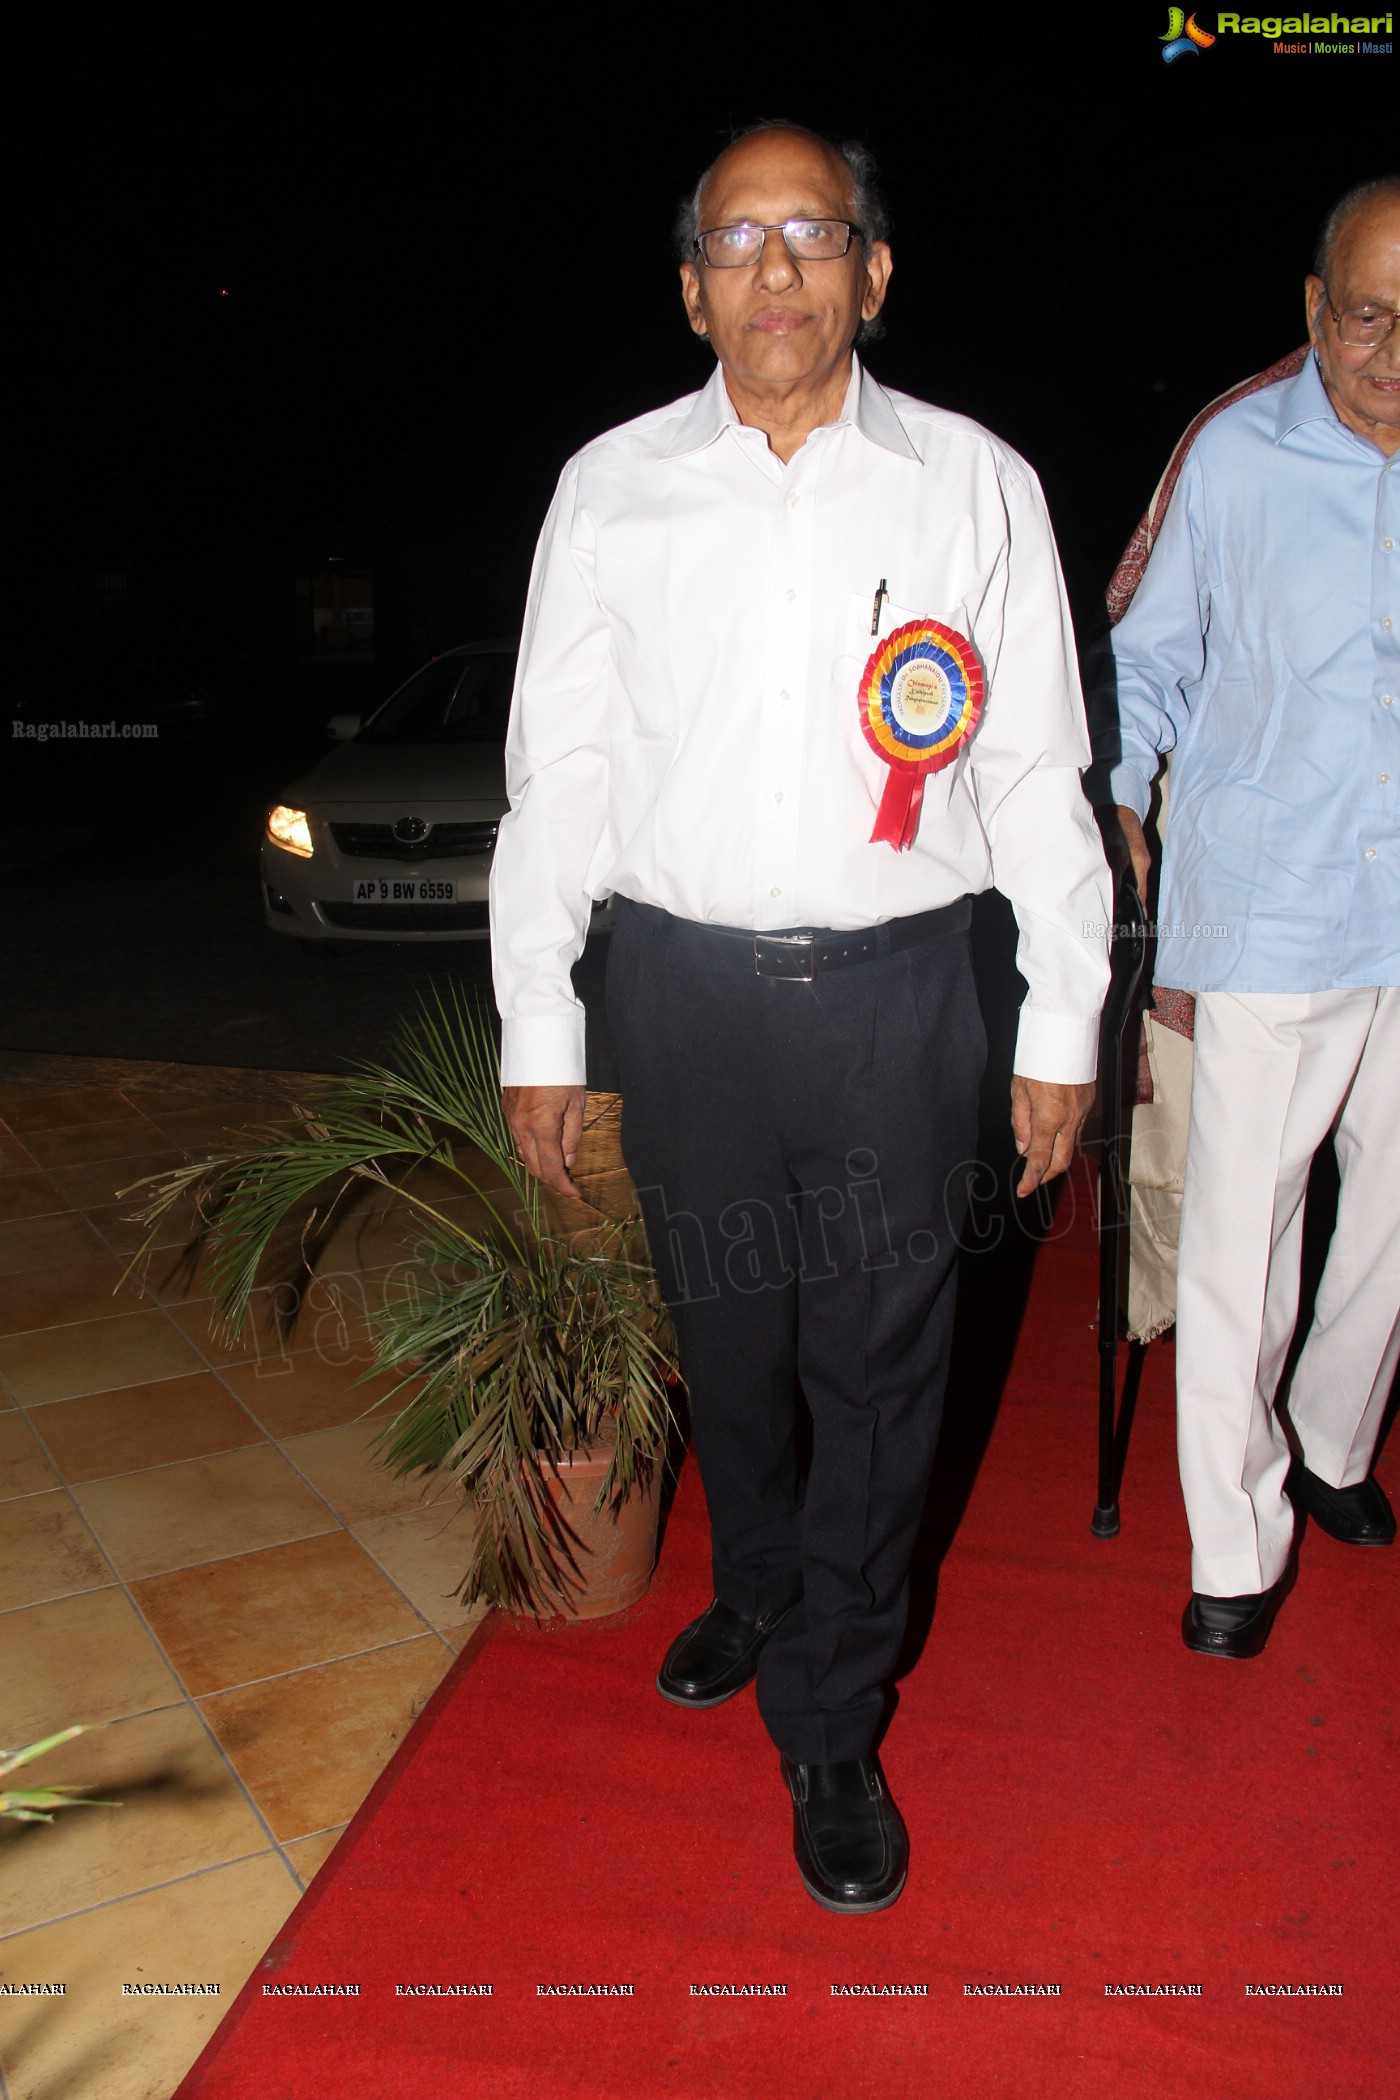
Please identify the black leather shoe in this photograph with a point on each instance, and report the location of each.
(1234, 1626)
(1358, 1516)
(715, 1657)
(849, 1839)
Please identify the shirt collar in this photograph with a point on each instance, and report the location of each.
(1304, 399)
(867, 405)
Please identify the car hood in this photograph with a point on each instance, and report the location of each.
(397, 773)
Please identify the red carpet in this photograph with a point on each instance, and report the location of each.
(1088, 1804)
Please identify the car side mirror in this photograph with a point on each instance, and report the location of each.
(343, 727)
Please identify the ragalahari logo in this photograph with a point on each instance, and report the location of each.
(1183, 36)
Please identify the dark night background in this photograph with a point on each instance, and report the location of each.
(327, 291)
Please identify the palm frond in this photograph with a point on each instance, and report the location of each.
(509, 1346)
(37, 1804)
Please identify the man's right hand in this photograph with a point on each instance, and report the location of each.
(1139, 856)
(547, 1123)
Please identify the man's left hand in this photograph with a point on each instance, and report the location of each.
(1045, 1120)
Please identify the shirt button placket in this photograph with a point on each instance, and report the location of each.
(780, 754)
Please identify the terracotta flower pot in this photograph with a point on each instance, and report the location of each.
(615, 1549)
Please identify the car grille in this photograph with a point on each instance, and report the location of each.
(407, 918)
(444, 841)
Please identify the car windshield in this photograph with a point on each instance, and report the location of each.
(453, 700)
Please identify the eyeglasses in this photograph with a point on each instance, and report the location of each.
(808, 240)
(1363, 327)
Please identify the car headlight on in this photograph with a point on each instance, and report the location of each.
(289, 829)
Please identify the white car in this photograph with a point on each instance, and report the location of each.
(390, 836)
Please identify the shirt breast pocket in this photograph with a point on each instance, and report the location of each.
(858, 643)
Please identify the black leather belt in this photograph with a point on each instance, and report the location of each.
(800, 952)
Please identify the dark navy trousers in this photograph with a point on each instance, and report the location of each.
(802, 1151)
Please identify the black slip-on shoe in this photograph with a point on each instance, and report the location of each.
(848, 1838)
(716, 1656)
(1236, 1627)
(1358, 1516)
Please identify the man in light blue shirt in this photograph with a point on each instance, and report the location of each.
(1262, 651)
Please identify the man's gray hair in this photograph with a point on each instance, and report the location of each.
(1344, 211)
(867, 204)
(868, 210)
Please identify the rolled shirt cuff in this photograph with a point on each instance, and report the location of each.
(1061, 1048)
(546, 1050)
(1129, 790)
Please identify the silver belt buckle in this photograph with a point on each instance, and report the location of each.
(789, 955)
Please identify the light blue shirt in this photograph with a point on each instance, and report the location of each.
(1262, 651)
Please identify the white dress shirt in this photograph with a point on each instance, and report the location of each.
(685, 729)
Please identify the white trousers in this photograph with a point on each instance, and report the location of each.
(1274, 1072)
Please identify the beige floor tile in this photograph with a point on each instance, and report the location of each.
(308, 1747)
(341, 1465)
(102, 1181)
(181, 1810)
(425, 1551)
(14, 1159)
(151, 1100)
(97, 2045)
(259, 1614)
(270, 1329)
(124, 1232)
(29, 1196)
(154, 1424)
(81, 1143)
(175, 1275)
(50, 1108)
(83, 1287)
(457, 1637)
(46, 1551)
(217, 1125)
(85, 1658)
(200, 1510)
(293, 1394)
(94, 1356)
(363, 1238)
(157, 1099)
(42, 1243)
(364, 1293)
(282, 1320)
(309, 1855)
(24, 1470)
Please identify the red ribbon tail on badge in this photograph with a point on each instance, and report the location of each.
(897, 818)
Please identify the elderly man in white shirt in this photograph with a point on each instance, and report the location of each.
(796, 680)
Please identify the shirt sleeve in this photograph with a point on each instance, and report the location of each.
(1158, 650)
(557, 782)
(1027, 757)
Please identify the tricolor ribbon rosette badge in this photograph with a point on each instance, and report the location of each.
(920, 700)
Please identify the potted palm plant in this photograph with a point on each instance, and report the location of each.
(531, 1361)
(36, 1804)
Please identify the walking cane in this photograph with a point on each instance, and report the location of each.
(1127, 954)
